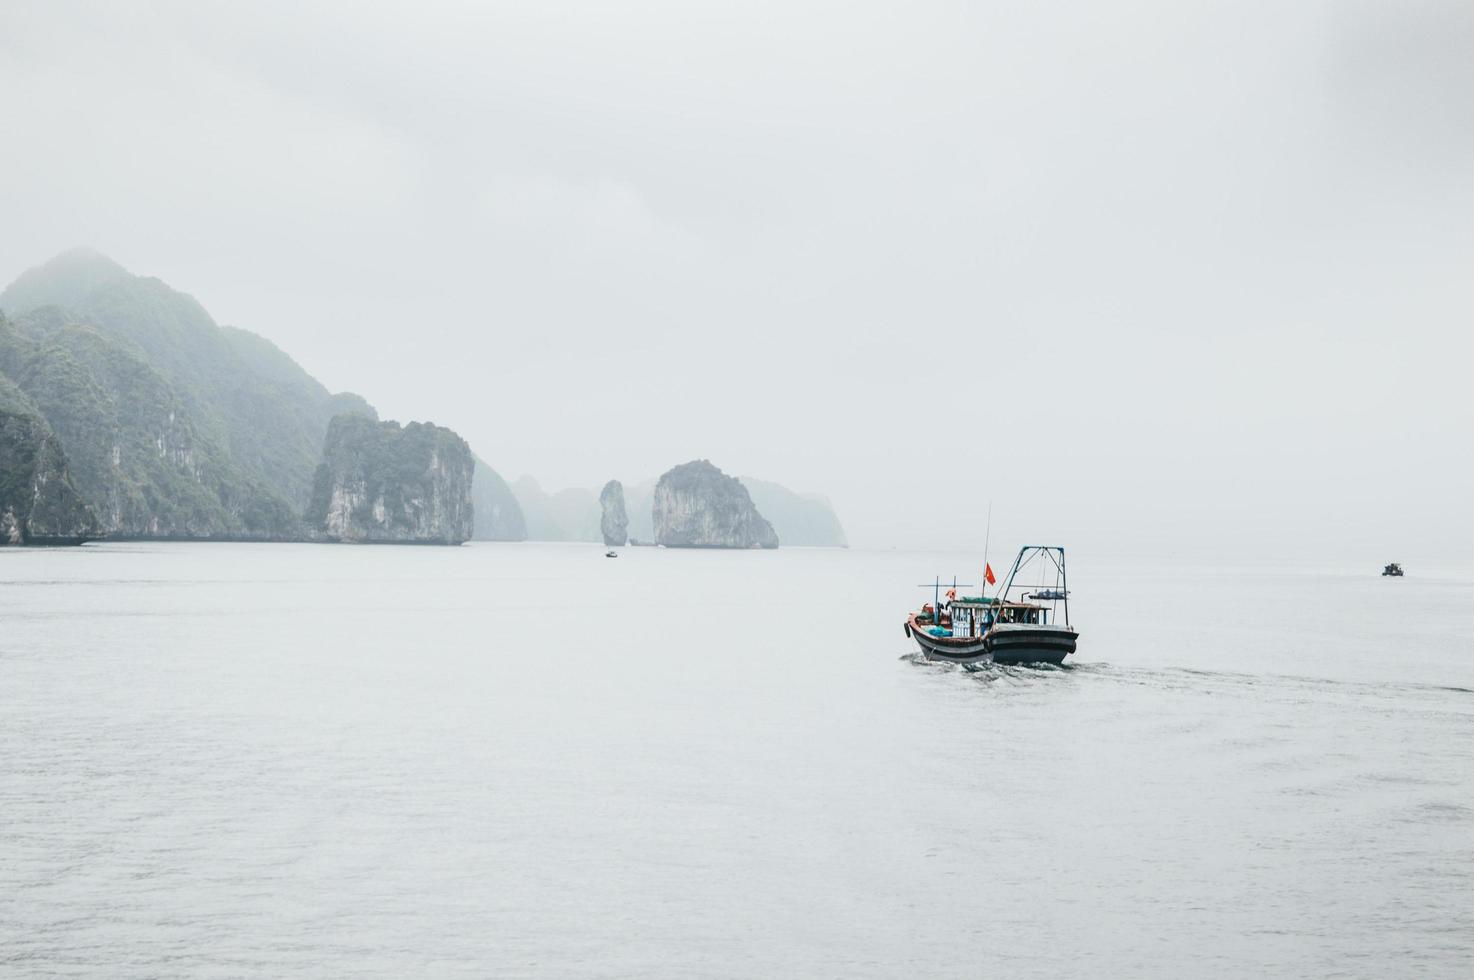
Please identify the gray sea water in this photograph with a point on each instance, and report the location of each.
(532, 761)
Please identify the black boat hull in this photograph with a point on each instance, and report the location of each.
(1005, 645)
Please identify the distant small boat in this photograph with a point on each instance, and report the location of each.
(1393, 569)
(972, 630)
(611, 554)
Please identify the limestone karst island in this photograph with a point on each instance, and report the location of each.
(127, 412)
(699, 506)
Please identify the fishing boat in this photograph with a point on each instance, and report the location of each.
(1393, 569)
(982, 629)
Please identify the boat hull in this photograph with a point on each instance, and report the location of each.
(1005, 644)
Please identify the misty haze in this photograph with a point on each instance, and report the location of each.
(878, 490)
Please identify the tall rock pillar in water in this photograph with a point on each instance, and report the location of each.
(614, 523)
(379, 482)
(696, 505)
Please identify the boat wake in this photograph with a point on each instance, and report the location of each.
(1278, 684)
(1187, 679)
(987, 673)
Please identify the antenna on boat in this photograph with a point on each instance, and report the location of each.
(936, 586)
(987, 537)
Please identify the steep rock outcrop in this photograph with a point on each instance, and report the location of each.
(696, 505)
(799, 518)
(38, 503)
(498, 515)
(136, 452)
(380, 482)
(175, 426)
(806, 519)
(613, 521)
(256, 407)
(568, 515)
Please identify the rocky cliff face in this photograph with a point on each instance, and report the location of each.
(149, 466)
(498, 515)
(568, 515)
(613, 521)
(257, 408)
(38, 503)
(175, 426)
(800, 518)
(696, 505)
(380, 482)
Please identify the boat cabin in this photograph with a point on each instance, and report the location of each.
(974, 615)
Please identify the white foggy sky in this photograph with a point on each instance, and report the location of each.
(1183, 272)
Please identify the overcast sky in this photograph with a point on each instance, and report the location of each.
(1151, 274)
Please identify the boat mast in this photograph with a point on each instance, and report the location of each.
(1064, 584)
(987, 537)
(1008, 582)
(1033, 551)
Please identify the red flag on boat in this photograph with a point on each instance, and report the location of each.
(988, 574)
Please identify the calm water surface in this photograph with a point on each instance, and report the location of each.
(531, 761)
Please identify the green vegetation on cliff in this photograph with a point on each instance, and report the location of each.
(240, 391)
(38, 502)
(12, 399)
(379, 481)
(174, 426)
(136, 452)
